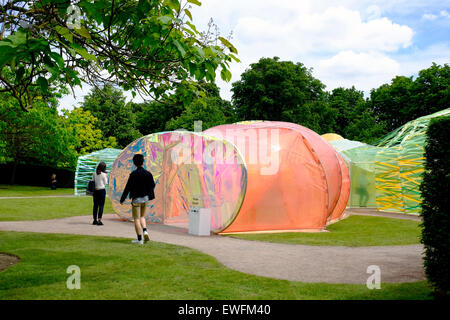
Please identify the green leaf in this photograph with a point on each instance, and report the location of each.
(13, 64)
(83, 52)
(7, 54)
(198, 3)
(234, 57)
(188, 13)
(211, 70)
(228, 44)
(180, 48)
(43, 84)
(200, 52)
(192, 27)
(65, 33)
(17, 38)
(225, 74)
(19, 74)
(174, 5)
(165, 19)
(59, 60)
(83, 32)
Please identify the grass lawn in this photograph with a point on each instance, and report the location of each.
(30, 191)
(47, 208)
(112, 268)
(353, 231)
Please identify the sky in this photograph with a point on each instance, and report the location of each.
(346, 43)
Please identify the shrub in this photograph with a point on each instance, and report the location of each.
(435, 189)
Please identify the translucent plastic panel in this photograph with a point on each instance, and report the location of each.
(389, 184)
(362, 172)
(298, 194)
(411, 162)
(363, 191)
(87, 164)
(331, 137)
(326, 156)
(187, 168)
(339, 209)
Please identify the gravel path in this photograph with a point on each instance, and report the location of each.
(275, 260)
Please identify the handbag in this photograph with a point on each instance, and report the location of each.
(90, 188)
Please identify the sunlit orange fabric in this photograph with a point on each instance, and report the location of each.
(309, 188)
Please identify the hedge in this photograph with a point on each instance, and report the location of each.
(435, 190)
(34, 175)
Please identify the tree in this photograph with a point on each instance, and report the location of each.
(116, 117)
(152, 116)
(148, 46)
(344, 101)
(83, 126)
(363, 126)
(212, 111)
(35, 137)
(277, 90)
(354, 118)
(406, 99)
(432, 90)
(393, 103)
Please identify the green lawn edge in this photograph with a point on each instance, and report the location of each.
(47, 208)
(32, 191)
(354, 231)
(113, 268)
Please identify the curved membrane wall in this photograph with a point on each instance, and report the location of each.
(301, 191)
(187, 167)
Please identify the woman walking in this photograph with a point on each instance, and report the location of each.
(140, 186)
(101, 180)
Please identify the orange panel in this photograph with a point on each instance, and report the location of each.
(339, 210)
(304, 190)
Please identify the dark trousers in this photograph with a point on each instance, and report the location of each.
(99, 203)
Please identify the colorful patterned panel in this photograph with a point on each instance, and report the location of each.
(188, 168)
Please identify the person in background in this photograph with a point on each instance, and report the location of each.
(101, 180)
(140, 186)
(53, 181)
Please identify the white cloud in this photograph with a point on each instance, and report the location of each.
(362, 70)
(432, 17)
(350, 42)
(373, 11)
(299, 31)
(337, 28)
(417, 60)
(429, 16)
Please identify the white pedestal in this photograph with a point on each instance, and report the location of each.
(200, 221)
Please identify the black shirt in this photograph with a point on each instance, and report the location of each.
(140, 184)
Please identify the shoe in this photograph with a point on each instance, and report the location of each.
(99, 223)
(146, 237)
(95, 222)
(137, 241)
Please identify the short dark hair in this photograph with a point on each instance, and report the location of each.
(138, 160)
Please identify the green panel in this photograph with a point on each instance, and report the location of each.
(411, 169)
(389, 175)
(87, 164)
(362, 171)
(362, 192)
(388, 181)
